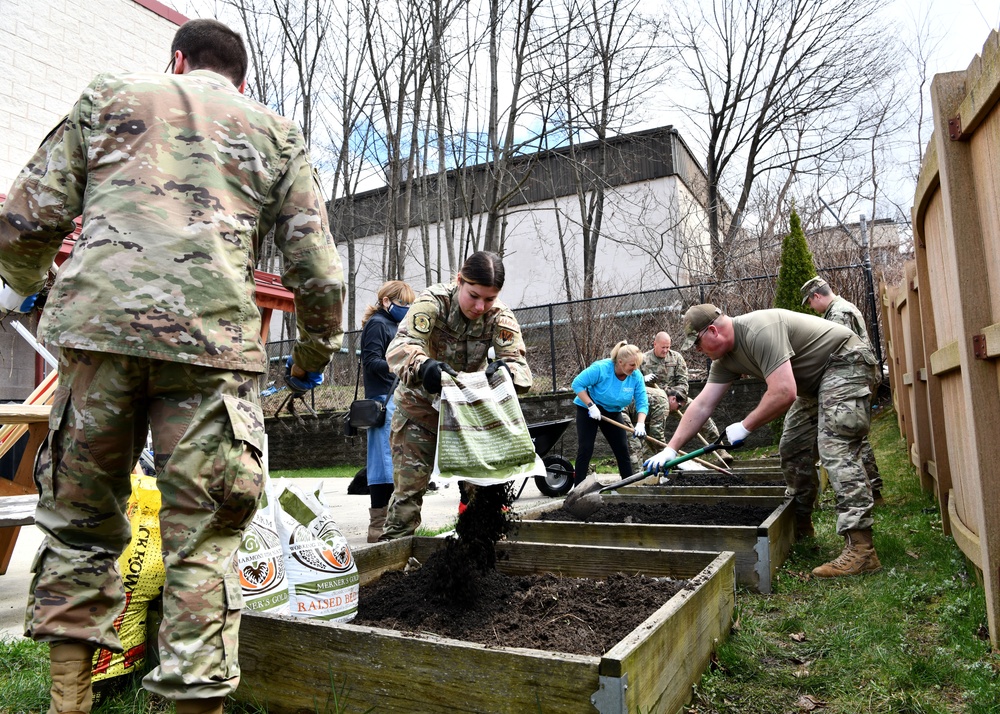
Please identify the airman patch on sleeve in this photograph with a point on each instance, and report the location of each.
(506, 329)
(422, 322)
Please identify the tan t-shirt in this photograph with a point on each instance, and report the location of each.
(766, 339)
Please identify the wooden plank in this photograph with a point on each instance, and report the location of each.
(946, 359)
(24, 413)
(17, 510)
(982, 87)
(388, 670)
(991, 333)
(966, 539)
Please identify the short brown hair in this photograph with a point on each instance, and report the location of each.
(208, 44)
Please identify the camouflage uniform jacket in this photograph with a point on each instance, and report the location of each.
(434, 327)
(671, 371)
(846, 313)
(177, 179)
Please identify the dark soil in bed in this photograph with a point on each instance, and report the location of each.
(458, 593)
(690, 478)
(721, 514)
(546, 612)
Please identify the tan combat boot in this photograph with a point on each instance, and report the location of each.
(376, 521)
(804, 526)
(200, 706)
(857, 557)
(70, 664)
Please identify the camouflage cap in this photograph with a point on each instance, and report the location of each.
(696, 319)
(811, 286)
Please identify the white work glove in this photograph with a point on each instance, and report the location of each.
(647, 378)
(736, 433)
(15, 302)
(594, 412)
(640, 431)
(656, 463)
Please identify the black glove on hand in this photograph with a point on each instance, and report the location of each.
(496, 365)
(430, 374)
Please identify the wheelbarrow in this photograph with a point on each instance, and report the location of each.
(558, 478)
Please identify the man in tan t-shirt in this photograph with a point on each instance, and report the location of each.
(822, 374)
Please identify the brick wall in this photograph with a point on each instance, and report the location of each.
(51, 49)
(317, 443)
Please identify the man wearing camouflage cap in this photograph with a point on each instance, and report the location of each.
(178, 179)
(817, 294)
(824, 373)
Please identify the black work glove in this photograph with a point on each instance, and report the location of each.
(494, 366)
(430, 374)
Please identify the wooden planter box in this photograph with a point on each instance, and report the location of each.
(292, 665)
(760, 550)
(753, 484)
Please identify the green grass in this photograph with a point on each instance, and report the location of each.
(909, 639)
(325, 472)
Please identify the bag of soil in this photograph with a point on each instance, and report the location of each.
(261, 562)
(482, 436)
(141, 566)
(322, 576)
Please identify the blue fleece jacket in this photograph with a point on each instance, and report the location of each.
(610, 393)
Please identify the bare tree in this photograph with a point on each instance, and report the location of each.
(758, 67)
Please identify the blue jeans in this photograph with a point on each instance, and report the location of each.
(379, 454)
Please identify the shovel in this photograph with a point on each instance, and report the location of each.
(585, 499)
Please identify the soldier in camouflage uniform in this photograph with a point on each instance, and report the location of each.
(666, 376)
(178, 179)
(825, 373)
(449, 328)
(816, 293)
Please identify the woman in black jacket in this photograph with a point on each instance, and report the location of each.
(378, 328)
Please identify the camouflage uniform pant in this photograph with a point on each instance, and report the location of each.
(413, 448)
(832, 427)
(656, 426)
(208, 431)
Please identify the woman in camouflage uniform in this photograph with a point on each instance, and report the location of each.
(449, 328)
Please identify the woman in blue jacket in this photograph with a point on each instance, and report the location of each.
(378, 328)
(605, 388)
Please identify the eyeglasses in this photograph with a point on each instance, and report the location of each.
(697, 339)
(170, 66)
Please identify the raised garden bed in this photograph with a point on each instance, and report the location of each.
(293, 665)
(756, 482)
(760, 548)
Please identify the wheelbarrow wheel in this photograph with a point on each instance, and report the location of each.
(558, 479)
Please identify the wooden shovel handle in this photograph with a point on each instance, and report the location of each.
(657, 442)
(704, 442)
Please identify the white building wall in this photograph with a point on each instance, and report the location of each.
(653, 232)
(51, 49)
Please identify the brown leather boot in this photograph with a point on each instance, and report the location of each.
(877, 495)
(804, 526)
(376, 521)
(857, 557)
(70, 664)
(200, 706)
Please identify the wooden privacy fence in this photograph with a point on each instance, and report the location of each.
(943, 320)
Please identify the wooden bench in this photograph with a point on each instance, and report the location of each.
(18, 497)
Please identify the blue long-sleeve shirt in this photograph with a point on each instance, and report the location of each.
(609, 392)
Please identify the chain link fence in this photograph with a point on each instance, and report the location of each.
(563, 338)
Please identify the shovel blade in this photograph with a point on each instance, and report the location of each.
(584, 499)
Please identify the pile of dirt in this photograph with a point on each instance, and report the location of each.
(546, 612)
(458, 593)
(695, 514)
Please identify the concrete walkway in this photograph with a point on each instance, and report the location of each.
(351, 513)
